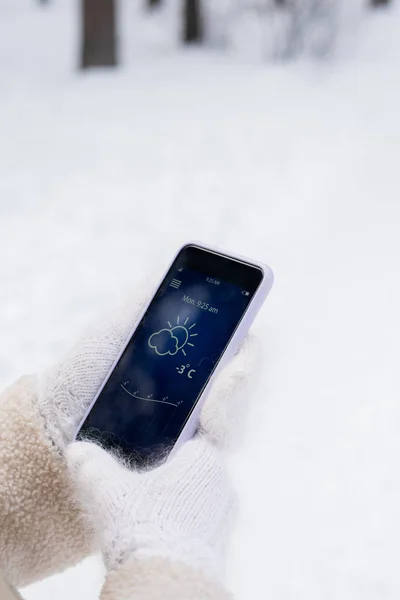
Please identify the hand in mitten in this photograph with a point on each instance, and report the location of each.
(66, 390)
(181, 510)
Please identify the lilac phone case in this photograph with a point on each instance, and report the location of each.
(237, 338)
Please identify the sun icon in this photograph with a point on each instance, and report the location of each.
(172, 339)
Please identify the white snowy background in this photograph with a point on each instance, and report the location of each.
(104, 174)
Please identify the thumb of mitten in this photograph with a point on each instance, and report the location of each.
(224, 414)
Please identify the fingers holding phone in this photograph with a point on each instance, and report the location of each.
(181, 510)
(224, 415)
(67, 389)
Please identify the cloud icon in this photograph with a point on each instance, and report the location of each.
(164, 342)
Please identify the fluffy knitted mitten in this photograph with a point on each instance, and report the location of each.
(66, 390)
(181, 510)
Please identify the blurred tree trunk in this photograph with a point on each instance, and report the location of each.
(153, 3)
(99, 43)
(192, 22)
(380, 2)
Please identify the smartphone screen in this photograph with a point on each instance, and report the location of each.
(146, 401)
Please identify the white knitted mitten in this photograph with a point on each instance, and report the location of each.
(66, 390)
(181, 510)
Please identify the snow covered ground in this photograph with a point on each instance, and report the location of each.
(103, 175)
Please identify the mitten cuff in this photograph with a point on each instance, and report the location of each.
(41, 527)
(160, 579)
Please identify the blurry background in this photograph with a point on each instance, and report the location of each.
(267, 127)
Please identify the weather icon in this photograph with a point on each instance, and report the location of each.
(172, 339)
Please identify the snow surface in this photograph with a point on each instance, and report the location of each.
(104, 175)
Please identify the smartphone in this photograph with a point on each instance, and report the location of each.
(150, 401)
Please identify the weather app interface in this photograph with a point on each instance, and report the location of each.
(157, 381)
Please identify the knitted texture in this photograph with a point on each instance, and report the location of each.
(224, 415)
(67, 389)
(181, 510)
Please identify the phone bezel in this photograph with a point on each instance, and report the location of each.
(216, 264)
